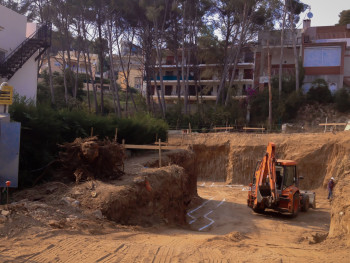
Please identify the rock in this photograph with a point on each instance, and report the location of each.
(68, 200)
(51, 189)
(2, 219)
(93, 194)
(76, 203)
(98, 214)
(56, 224)
(5, 212)
(71, 218)
(77, 192)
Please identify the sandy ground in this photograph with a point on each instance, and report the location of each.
(222, 229)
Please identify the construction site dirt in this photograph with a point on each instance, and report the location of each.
(192, 209)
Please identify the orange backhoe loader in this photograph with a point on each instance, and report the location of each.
(275, 186)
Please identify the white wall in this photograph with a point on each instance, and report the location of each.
(288, 56)
(14, 33)
(25, 79)
(31, 28)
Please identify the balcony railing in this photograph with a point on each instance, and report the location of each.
(173, 78)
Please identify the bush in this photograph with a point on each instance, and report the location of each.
(206, 117)
(43, 128)
(319, 92)
(290, 108)
(342, 100)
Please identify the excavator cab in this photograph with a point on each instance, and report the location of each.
(286, 174)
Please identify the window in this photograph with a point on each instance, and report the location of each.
(168, 90)
(289, 176)
(248, 74)
(170, 60)
(322, 56)
(249, 57)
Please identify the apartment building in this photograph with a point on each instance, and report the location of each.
(21, 43)
(203, 78)
(326, 55)
(269, 42)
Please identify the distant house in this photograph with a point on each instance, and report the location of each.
(57, 62)
(20, 44)
(326, 55)
(130, 56)
(324, 52)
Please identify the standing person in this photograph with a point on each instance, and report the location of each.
(330, 188)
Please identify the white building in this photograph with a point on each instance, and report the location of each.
(19, 48)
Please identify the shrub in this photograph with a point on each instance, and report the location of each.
(342, 100)
(319, 92)
(43, 128)
(292, 104)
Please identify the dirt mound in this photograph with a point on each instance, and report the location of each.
(152, 197)
(46, 208)
(157, 195)
(311, 115)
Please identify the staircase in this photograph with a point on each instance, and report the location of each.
(39, 40)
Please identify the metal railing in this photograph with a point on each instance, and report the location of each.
(20, 54)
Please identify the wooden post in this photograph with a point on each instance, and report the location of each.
(116, 135)
(123, 142)
(325, 127)
(160, 153)
(189, 128)
(92, 131)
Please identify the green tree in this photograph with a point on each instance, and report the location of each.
(344, 17)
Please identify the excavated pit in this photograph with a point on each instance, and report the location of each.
(164, 194)
(232, 159)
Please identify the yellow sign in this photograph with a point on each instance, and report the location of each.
(6, 95)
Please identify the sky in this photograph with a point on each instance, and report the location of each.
(326, 12)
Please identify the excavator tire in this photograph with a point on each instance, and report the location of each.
(314, 203)
(259, 210)
(296, 204)
(305, 203)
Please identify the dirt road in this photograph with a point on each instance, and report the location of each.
(221, 229)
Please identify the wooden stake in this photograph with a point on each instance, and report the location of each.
(160, 153)
(116, 135)
(123, 142)
(92, 131)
